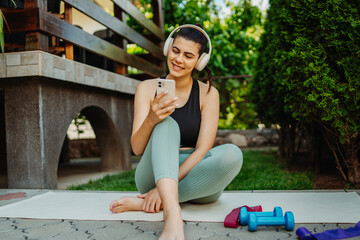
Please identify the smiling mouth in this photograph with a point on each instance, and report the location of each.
(176, 67)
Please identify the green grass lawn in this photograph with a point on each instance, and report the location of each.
(261, 171)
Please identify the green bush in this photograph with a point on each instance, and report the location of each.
(313, 56)
(267, 91)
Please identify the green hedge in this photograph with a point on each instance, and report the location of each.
(309, 67)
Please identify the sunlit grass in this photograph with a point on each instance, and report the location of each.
(261, 171)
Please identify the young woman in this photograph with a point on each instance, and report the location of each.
(175, 138)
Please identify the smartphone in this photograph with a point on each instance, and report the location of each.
(165, 85)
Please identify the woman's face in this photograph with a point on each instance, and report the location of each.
(183, 57)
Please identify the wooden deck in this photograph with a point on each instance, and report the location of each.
(55, 33)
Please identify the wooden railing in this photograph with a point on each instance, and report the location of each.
(55, 33)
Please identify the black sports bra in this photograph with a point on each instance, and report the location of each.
(188, 118)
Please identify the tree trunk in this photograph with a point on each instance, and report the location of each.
(354, 169)
(282, 141)
(292, 139)
(287, 141)
(346, 157)
(315, 146)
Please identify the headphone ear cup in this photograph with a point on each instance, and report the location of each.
(202, 62)
(167, 45)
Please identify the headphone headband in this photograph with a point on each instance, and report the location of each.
(203, 59)
(195, 27)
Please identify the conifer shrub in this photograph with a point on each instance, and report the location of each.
(309, 67)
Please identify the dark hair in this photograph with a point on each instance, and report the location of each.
(195, 35)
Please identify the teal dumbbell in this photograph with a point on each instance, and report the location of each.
(255, 221)
(244, 214)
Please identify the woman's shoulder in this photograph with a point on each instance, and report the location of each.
(148, 85)
(204, 90)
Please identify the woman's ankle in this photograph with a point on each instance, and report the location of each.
(171, 206)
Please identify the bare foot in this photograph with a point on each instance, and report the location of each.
(125, 204)
(174, 225)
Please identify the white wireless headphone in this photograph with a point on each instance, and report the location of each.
(203, 59)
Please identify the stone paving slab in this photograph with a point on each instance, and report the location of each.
(67, 229)
(70, 229)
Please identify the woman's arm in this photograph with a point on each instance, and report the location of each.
(208, 130)
(147, 113)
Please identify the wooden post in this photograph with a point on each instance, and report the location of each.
(35, 4)
(36, 40)
(158, 19)
(119, 41)
(69, 47)
(158, 13)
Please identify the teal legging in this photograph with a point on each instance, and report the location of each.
(204, 183)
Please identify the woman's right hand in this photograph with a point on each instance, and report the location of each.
(159, 111)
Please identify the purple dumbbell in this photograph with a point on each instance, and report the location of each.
(288, 221)
(244, 214)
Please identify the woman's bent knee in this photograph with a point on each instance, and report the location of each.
(233, 155)
(167, 122)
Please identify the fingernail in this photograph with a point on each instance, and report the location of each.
(166, 91)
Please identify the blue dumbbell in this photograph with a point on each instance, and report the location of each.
(287, 220)
(244, 215)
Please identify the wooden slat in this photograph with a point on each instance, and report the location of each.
(21, 20)
(97, 13)
(27, 20)
(12, 47)
(56, 50)
(148, 57)
(71, 33)
(69, 48)
(140, 76)
(129, 8)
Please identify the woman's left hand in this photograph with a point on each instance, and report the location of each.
(152, 201)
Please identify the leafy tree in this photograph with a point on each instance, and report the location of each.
(179, 12)
(267, 91)
(313, 54)
(235, 41)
